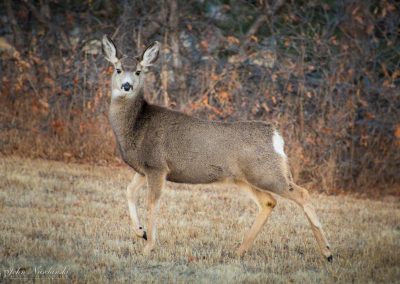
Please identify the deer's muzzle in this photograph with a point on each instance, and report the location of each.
(126, 86)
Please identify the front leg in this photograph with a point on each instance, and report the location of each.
(155, 183)
(132, 194)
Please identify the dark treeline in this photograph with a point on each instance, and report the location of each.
(326, 71)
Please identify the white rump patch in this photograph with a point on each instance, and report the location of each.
(278, 143)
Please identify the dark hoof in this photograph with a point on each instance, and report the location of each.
(330, 258)
(145, 237)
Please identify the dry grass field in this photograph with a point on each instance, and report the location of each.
(57, 216)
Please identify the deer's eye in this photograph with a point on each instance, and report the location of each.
(119, 71)
(137, 73)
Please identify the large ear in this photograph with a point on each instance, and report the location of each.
(109, 50)
(150, 55)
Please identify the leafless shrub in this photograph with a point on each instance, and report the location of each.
(327, 73)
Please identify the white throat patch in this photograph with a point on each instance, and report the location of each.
(278, 144)
(116, 93)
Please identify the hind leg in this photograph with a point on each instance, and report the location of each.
(265, 203)
(302, 198)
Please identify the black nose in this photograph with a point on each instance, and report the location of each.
(126, 86)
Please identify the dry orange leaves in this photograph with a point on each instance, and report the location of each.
(397, 134)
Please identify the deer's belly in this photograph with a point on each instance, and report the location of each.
(199, 174)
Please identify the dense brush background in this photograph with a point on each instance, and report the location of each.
(327, 71)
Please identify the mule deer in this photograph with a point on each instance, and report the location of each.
(161, 144)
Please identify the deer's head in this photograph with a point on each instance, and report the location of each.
(127, 78)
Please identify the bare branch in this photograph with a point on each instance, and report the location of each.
(47, 22)
(18, 37)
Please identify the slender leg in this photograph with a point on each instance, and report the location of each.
(266, 203)
(155, 183)
(132, 196)
(302, 198)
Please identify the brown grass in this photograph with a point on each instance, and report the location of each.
(57, 215)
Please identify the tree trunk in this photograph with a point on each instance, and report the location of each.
(179, 72)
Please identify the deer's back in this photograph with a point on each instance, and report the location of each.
(198, 151)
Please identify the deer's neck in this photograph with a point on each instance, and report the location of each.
(124, 114)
